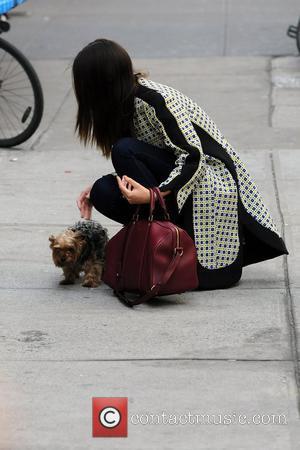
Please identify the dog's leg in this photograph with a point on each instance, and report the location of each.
(93, 272)
(69, 276)
(77, 271)
(100, 267)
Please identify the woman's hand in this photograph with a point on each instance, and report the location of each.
(84, 205)
(134, 192)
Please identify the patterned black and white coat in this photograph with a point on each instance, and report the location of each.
(217, 199)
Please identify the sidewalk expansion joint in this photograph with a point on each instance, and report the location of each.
(233, 360)
(288, 298)
(270, 91)
(97, 290)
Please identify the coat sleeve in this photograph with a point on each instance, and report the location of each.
(170, 116)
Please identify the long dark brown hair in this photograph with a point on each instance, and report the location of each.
(104, 83)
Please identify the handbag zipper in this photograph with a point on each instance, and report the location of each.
(177, 237)
(177, 242)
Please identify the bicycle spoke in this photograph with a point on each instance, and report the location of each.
(13, 125)
(19, 88)
(16, 82)
(13, 115)
(3, 57)
(16, 95)
(8, 120)
(11, 74)
(11, 60)
(13, 78)
(21, 106)
(9, 104)
(3, 117)
(16, 89)
(14, 121)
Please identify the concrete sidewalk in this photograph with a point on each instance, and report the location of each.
(222, 352)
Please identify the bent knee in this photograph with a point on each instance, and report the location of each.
(103, 192)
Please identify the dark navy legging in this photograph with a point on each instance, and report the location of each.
(148, 165)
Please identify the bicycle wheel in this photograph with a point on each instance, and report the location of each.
(21, 97)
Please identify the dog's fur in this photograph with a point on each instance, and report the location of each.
(80, 248)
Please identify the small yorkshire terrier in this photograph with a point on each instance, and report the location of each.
(81, 248)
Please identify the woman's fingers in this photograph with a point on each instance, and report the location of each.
(80, 199)
(127, 184)
(79, 203)
(83, 197)
(131, 182)
(121, 185)
(133, 191)
(85, 209)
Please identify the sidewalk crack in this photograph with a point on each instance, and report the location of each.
(225, 35)
(51, 122)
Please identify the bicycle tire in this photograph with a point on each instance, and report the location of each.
(37, 95)
(298, 37)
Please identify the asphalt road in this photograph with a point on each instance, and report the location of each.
(156, 29)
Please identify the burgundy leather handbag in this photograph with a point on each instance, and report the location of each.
(150, 257)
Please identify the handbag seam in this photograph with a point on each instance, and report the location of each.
(143, 258)
(125, 248)
(158, 245)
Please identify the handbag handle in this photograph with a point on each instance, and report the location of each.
(135, 216)
(162, 202)
(155, 288)
(155, 195)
